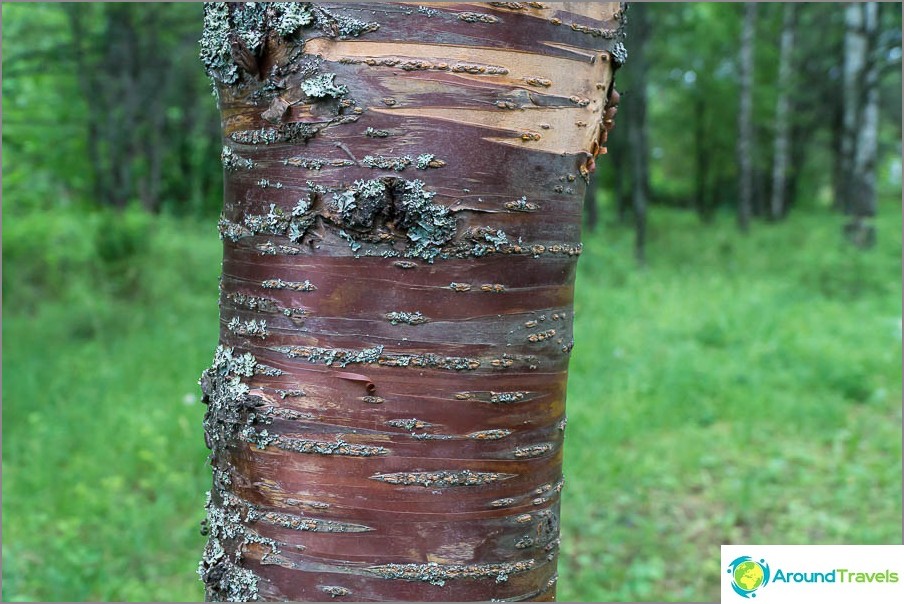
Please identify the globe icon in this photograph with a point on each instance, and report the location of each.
(748, 575)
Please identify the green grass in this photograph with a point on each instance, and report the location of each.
(738, 390)
(103, 459)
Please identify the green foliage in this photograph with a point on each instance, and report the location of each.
(107, 103)
(693, 98)
(737, 390)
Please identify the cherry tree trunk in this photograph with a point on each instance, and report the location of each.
(401, 226)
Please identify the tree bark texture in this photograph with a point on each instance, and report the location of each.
(859, 144)
(745, 118)
(401, 225)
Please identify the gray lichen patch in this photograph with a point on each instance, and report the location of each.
(232, 162)
(480, 241)
(494, 397)
(394, 207)
(408, 318)
(335, 591)
(233, 36)
(266, 183)
(303, 523)
(431, 361)
(230, 409)
(269, 248)
(422, 436)
(227, 364)
(339, 447)
(262, 369)
(240, 300)
(221, 571)
(596, 32)
(341, 357)
(286, 133)
(502, 503)
(532, 451)
(620, 53)
(298, 286)
(438, 574)
(507, 397)
(427, 225)
(236, 35)
(253, 327)
(443, 478)
(231, 230)
(489, 434)
(274, 222)
(428, 160)
(342, 26)
(224, 579)
(409, 424)
(381, 162)
(322, 86)
(317, 505)
(263, 439)
(316, 163)
(468, 17)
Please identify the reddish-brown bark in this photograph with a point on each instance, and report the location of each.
(401, 227)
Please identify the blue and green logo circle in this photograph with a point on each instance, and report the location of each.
(748, 575)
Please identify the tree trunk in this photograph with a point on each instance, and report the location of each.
(87, 82)
(637, 130)
(781, 157)
(701, 161)
(401, 226)
(861, 122)
(745, 118)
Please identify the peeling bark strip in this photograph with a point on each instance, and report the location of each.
(403, 199)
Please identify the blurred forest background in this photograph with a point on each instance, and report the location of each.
(737, 374)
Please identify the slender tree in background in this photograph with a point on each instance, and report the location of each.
(745, 118)
(401, 226)
(637, 129)
(702, 152)
(859, 144)
(781, 157)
